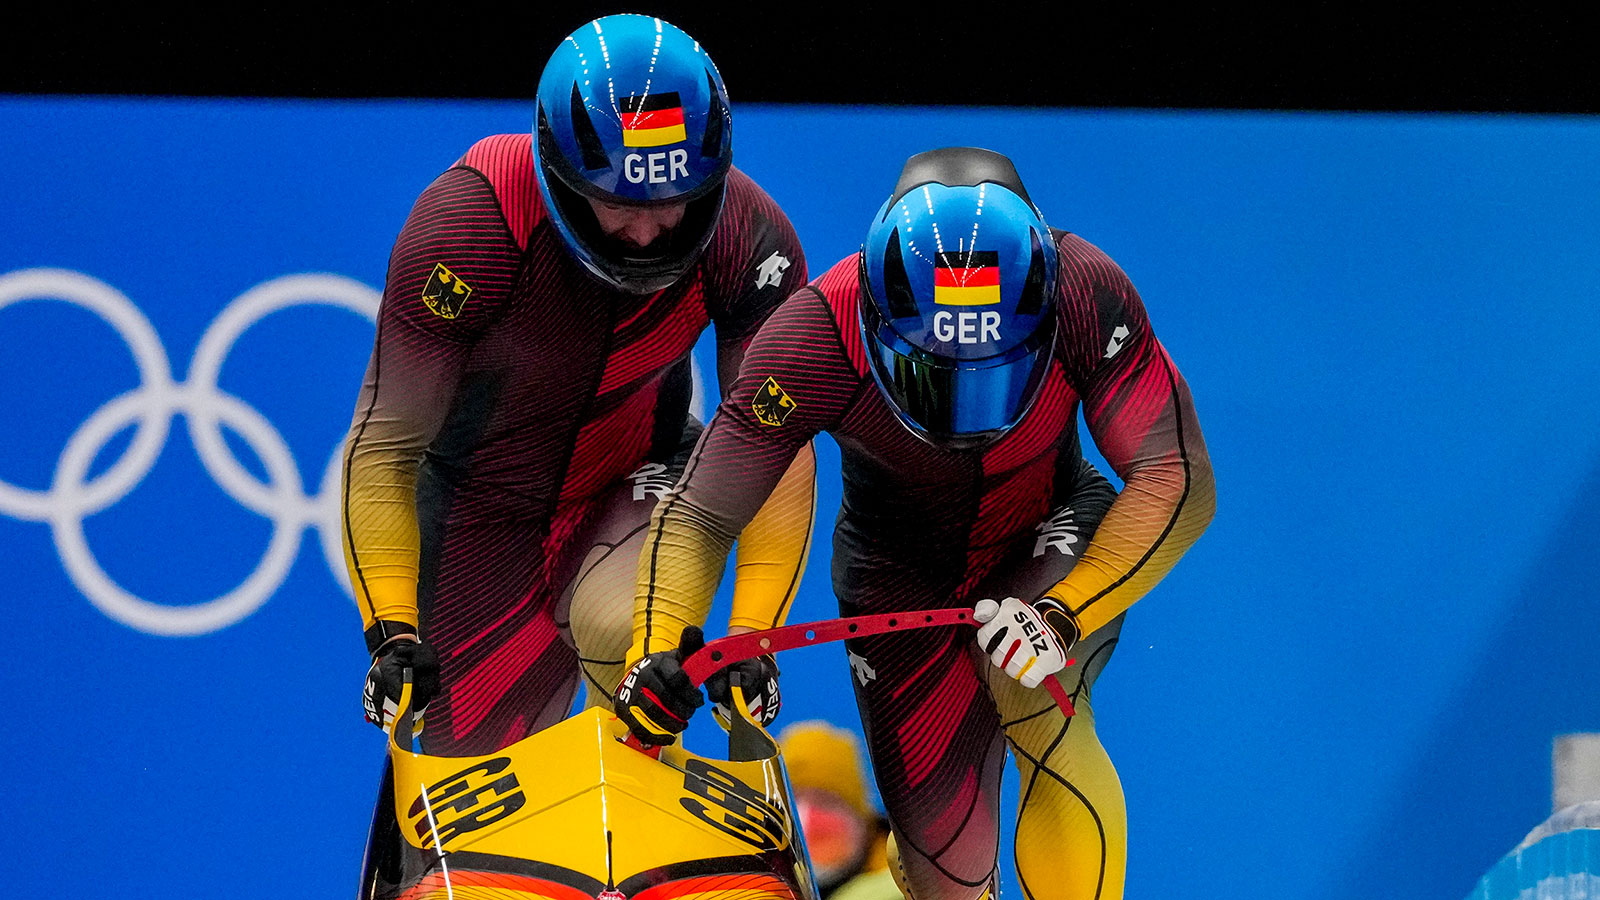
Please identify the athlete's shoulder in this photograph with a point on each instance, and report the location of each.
(1100, 311)
(1088, 278)
(817, 312)
(840, 286)
(807, 357)
(837, 291)
(754, 259)
(1083, 264)
(751, 221)
(505, 162)
(458, 255)
(746, 197)
(500, 154)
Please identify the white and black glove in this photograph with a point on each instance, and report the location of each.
(1028, 641)
(380, 696)
(758, 678)
(655, 697)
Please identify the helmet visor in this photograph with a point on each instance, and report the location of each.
(959, 403)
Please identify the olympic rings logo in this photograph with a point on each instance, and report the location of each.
(206, 408)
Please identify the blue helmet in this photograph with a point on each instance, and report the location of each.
(958, 280)
(632, 112)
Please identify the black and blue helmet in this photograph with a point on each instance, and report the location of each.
(632, 112)
(958, 282)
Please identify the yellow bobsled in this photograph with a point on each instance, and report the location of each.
(574, 813)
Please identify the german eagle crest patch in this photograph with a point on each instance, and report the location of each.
(445, 293)
(772, 406)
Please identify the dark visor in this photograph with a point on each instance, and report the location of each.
(960, 403)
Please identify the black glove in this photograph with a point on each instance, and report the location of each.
(758, 678)
(655, 698)
(381, 694)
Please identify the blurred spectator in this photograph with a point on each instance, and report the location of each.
(844, 833)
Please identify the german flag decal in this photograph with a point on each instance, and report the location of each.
(652, 120)
(771, 404)
(967, 278)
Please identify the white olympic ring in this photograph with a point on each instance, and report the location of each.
(206, 408)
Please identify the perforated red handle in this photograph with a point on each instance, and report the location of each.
(724, 652)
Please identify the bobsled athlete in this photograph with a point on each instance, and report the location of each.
(949, 359)
(527, 400)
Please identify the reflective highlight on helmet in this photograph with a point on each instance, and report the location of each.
(958, 297)
(632, 114)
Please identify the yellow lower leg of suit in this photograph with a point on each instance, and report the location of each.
(1072, 827)
(1072, 821)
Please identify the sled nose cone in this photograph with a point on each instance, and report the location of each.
(573, 806)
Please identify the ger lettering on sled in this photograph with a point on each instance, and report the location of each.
(579, 811)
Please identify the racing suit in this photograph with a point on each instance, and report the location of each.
(923, 527)
(518, 422)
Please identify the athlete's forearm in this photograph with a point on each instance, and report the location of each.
(773, 548)
(726, 483)
(679, 569)
(761, 435)
(380, 534)
(397, 416)
(1160, 513)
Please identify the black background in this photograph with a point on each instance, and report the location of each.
(1316, 56)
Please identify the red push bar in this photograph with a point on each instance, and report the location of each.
(726, 651)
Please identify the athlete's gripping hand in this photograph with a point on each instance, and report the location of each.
(380, 697)
(655, 697)
(758, 678)
(1028, 641)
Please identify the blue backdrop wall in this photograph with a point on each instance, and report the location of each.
(1347, 689)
